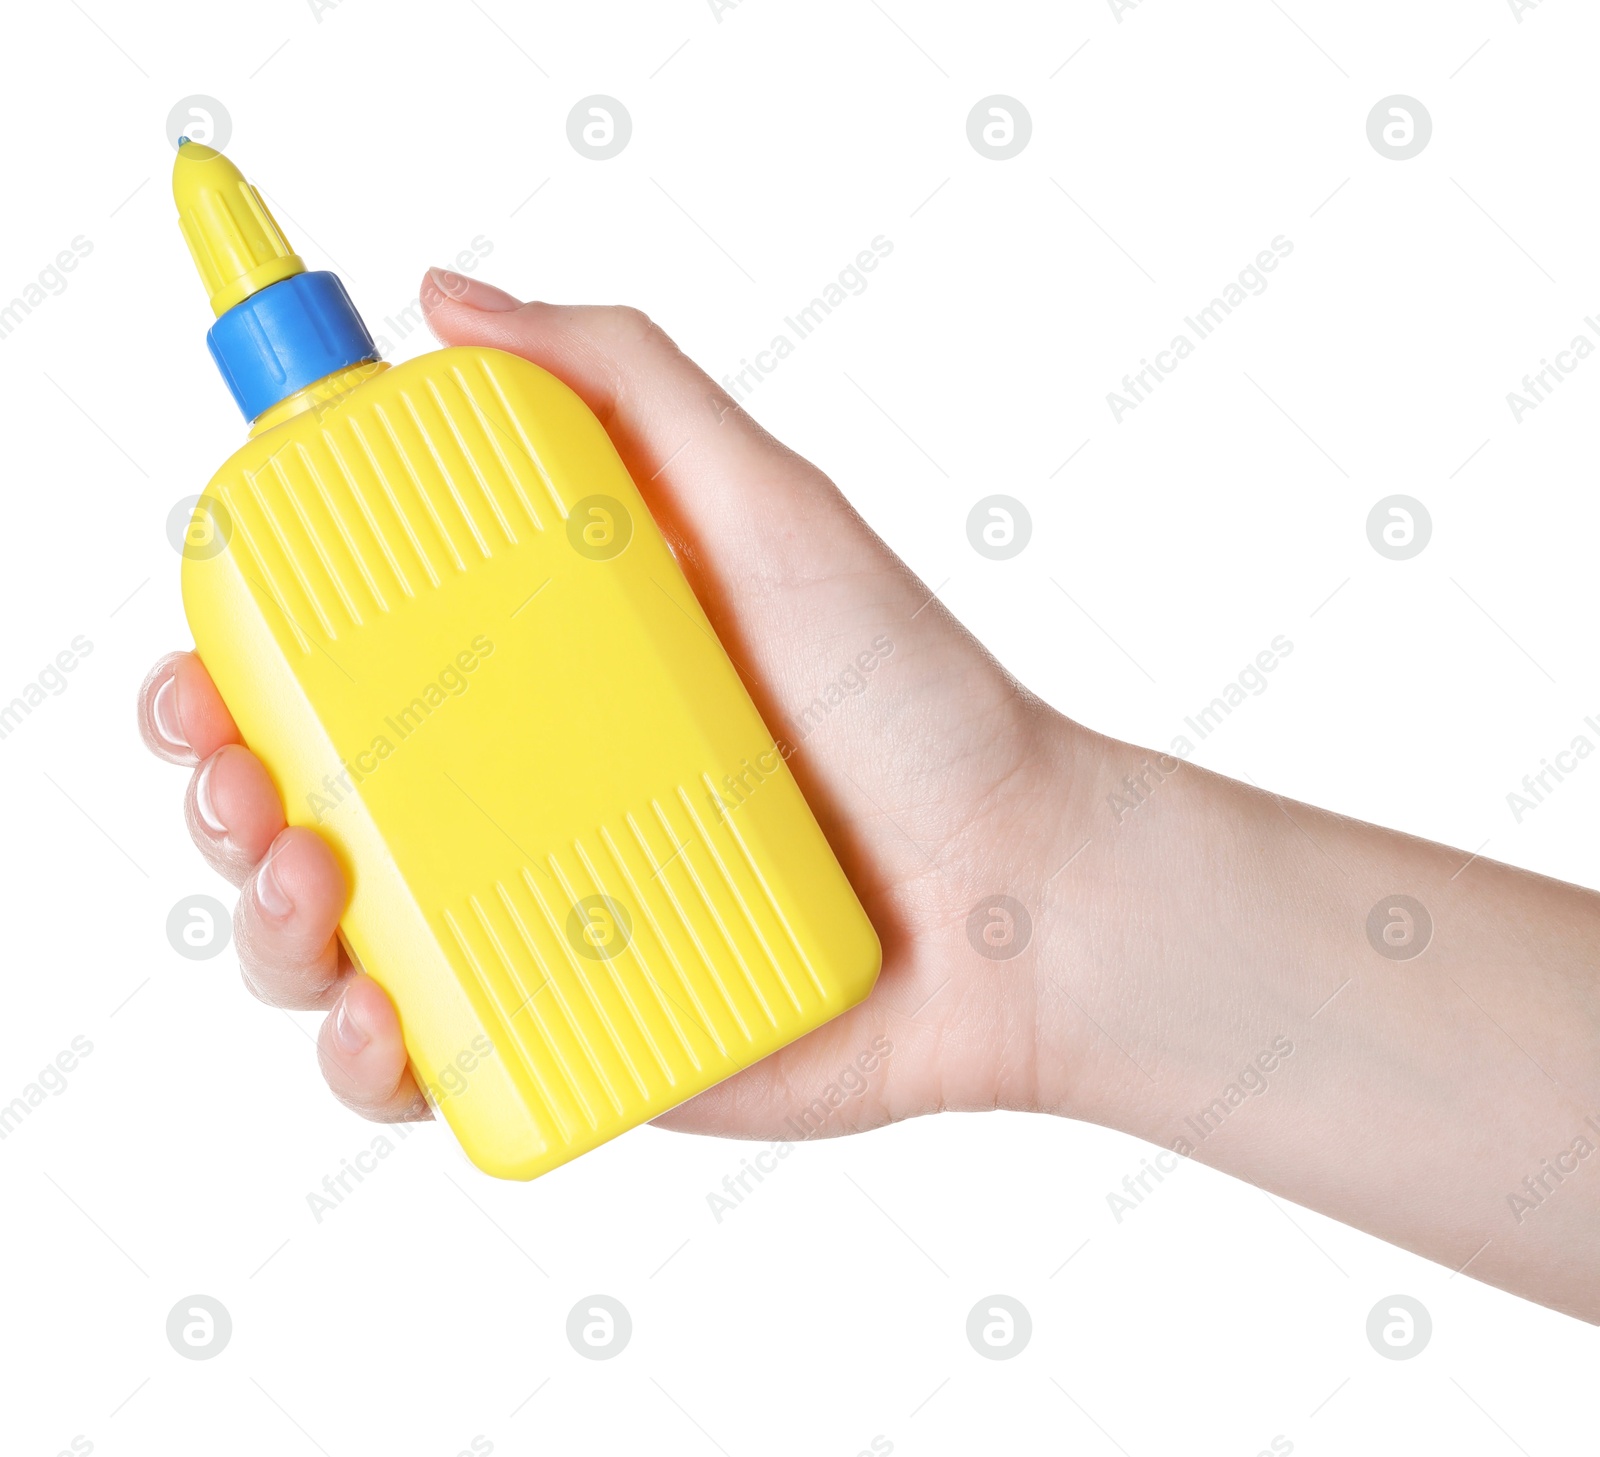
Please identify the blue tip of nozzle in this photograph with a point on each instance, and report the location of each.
(182, 141)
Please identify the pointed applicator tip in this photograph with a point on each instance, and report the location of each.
(190, 151)
(237, 245)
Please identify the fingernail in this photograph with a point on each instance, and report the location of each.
(472, 292)
(270, 894)
(349, 1036)
(204, 805)
(164, 712)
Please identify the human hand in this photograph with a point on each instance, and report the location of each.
(1181, 947)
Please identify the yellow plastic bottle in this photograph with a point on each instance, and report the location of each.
(443, 618)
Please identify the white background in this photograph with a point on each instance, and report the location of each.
(1170, 148)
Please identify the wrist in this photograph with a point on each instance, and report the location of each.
(1064, 896)
(1118, 976)
(1074, 900)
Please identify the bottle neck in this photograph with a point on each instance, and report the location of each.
(285, 338)
(321, 395)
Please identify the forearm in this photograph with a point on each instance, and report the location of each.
(1446, 1099)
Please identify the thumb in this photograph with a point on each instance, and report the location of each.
(745, 512)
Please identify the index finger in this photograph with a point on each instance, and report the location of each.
(182, 717)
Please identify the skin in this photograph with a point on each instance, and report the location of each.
(1175, 947)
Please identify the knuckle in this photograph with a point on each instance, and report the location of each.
(399, 1109)
(394, 1100)
(631, 326)
(270, 985)
(276, 980)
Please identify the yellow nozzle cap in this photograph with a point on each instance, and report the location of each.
(236, 243)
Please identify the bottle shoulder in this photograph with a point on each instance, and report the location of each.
(489, 378)
(418, 470)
